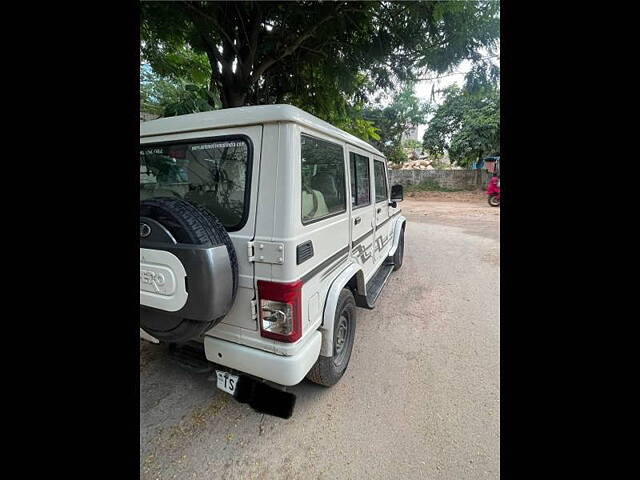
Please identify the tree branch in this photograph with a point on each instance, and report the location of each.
(270, 61)
(440, 76)
(215, 22)
(455, 73)
(244, 29)
(314, 51)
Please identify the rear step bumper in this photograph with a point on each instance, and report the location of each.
(284, 370)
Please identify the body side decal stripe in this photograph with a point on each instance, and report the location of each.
(313, 272)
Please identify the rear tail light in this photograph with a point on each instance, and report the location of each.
(280, 310)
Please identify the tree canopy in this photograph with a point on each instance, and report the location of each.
(173, 95)
(467, 123)
(404, 111)
(316, 54)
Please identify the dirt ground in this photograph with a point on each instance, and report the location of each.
(420, 398)
(469, 210)
(473, 196)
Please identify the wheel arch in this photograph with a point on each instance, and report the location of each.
(351, 277)
(397, 230)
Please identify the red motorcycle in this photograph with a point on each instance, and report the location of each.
(493, 190)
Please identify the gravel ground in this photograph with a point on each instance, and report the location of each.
(420, 399)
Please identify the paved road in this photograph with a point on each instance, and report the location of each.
(420, 399)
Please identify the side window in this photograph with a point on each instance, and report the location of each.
(323, 179)
(381, 181)
(360, 180)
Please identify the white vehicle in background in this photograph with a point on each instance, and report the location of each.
(261, 230)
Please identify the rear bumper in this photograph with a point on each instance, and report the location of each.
(284, 370)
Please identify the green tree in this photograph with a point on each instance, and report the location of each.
(169, 96)
(404, 111)
(467, 123)
(177, 85)
(322, 56)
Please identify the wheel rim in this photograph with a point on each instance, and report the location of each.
(343, 337)
(494, 201)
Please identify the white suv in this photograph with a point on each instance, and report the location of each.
(261, 229)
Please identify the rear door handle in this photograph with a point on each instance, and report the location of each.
(379, 210)
(357, 220)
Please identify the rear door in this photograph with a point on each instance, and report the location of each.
(382, 225)
(362, 209)
(219, 170)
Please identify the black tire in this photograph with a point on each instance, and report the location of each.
(494, 201)
(190, 224)
(169, 328)
(327, 371)
(214, 225)
(398, 257)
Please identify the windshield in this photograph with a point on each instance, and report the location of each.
(212, 173)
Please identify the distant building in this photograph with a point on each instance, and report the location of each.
(410, 134)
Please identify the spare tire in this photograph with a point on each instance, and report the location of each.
(184, 223)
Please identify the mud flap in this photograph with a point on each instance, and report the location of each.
(264, 398)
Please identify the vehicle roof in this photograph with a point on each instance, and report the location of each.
(242, 116)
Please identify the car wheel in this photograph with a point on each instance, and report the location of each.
(327, 371)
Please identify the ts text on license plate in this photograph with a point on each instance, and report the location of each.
(227, 382)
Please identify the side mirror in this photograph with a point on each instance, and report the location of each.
(397, 193)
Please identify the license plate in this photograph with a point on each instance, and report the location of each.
(227, 382)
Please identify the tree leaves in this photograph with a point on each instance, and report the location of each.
(327, 58)
(467, 124)
(404, 112)
(167, 96)
(270, 52)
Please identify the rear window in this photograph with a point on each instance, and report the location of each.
(213, 173)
